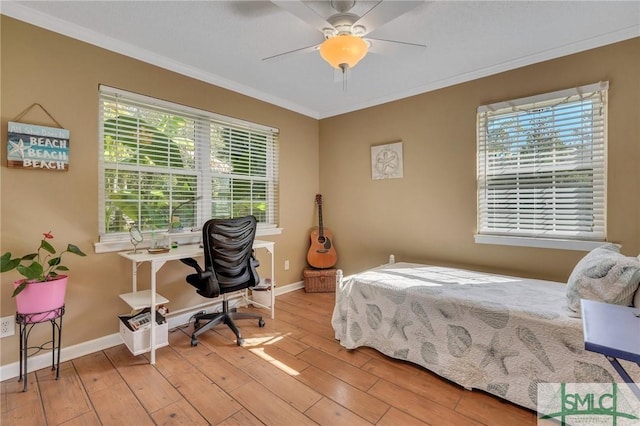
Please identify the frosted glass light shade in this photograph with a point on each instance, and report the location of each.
(343, 49)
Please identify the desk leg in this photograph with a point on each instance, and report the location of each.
(152, 337)
(155, 267)
(134, 276)
(625, 376)
(273, 282)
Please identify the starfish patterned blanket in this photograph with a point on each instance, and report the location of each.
(501, 334)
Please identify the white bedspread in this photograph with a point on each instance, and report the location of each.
(496, 333)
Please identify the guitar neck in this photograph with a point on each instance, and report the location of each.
(320, 228)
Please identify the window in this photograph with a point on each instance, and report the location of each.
(160, 159)
(541, 167)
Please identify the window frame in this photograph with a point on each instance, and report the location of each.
(485, 234)
(205, 123)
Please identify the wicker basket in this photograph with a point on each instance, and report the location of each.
(319, 280)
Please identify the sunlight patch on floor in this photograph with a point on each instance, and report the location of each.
(279, 364)
(262, 340)
(257, 341)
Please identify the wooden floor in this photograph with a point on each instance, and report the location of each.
(291, 372)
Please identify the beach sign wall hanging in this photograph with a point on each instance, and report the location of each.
(30, 146)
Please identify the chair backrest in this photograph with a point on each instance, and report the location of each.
(228, 251)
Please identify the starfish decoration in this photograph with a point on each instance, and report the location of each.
(398, 323)
(495, 352)
(387, 162)
(17, 147)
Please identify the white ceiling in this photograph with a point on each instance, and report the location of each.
(224, 42)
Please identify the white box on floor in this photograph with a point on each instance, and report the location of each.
(138, 341)
(262, 297)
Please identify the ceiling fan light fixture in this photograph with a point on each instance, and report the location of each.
(343, 50)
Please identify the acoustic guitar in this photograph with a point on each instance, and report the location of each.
(321, 254)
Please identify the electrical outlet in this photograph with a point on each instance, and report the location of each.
(7, 326)
(286, 265)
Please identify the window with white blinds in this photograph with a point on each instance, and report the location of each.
(156, 155)
(542, 165)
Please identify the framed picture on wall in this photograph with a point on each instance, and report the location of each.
(386, 161)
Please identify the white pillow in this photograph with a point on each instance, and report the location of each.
(604, 275)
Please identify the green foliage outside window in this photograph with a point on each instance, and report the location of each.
(154, 161)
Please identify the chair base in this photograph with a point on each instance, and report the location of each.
(226, 316)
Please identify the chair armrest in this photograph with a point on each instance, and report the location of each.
(189, 261)
(205, 282)
(209, 286)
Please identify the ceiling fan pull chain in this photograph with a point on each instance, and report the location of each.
(344, 68)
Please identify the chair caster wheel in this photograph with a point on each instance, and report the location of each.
(240, 341)
(194, 343)
(261, 323)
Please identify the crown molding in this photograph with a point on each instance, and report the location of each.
(569, 49)
(20, 12)
(42, 20)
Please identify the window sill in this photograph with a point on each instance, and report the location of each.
(538, 242)
(182, 238)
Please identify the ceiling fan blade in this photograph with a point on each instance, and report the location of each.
(379, 45)
(383, 12)
(278, 56)
(302, 11)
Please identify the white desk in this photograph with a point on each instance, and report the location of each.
(613, 331)
(141, 299)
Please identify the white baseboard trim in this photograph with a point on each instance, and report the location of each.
(43, 360)
(289, 288)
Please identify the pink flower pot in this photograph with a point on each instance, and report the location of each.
(41, 297)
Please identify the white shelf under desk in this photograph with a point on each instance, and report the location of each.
(142, 299)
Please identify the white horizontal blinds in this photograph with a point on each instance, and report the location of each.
(156, 155)
(243, 173)
(541, 165)
(149, 164)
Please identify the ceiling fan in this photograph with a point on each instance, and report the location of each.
(345, 33)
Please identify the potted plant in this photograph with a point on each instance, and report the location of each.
(42, 289)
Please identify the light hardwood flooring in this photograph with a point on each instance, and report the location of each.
(291, 372)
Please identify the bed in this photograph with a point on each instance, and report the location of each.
(500, 334)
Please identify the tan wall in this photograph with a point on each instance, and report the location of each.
(63, 75)
(430, 214)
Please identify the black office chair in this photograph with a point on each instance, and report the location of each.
(229, 266)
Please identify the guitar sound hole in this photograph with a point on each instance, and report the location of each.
(321, 240)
